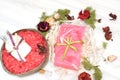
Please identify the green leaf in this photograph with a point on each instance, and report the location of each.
(44, 33)
(89, 8)
(90, 22)
(104, 45)
(97, 73)
(62, 13)
(86, 64)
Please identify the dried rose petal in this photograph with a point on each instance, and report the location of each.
(84, 76)
(41, 48)
(99, 20)
(106, 29)
(84, 15)
(70, 17)
(43, 26)
(113, 16)
(108, 33)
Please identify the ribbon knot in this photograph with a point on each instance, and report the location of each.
(69, 44)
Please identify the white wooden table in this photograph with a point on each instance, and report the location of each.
(18, 14)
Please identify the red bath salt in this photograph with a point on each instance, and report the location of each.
(72, 57)
(34, 58)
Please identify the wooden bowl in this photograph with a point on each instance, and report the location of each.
(35, 60)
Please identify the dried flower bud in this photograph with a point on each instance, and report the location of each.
(42, 71)
(45, 72)
(50, 20)
(112, 58)
(57, 16)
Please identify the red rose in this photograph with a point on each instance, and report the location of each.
(84, 76)
(84, 15)
(43, 26)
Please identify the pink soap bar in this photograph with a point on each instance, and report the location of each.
(72, 58)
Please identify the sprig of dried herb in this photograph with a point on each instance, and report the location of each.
(43, 16)
(61, 12)
(88, 66)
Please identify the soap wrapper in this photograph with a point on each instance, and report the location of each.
(22, 51)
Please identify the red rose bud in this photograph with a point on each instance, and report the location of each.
(84, 15)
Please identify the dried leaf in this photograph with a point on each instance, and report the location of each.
(104, 45)
(99, 20)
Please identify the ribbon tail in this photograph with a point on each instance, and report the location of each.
(20, 56)
(74, 48)
(61, 44)
(65, 52)
(75, 42)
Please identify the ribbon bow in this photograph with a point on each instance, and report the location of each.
(69, 44)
